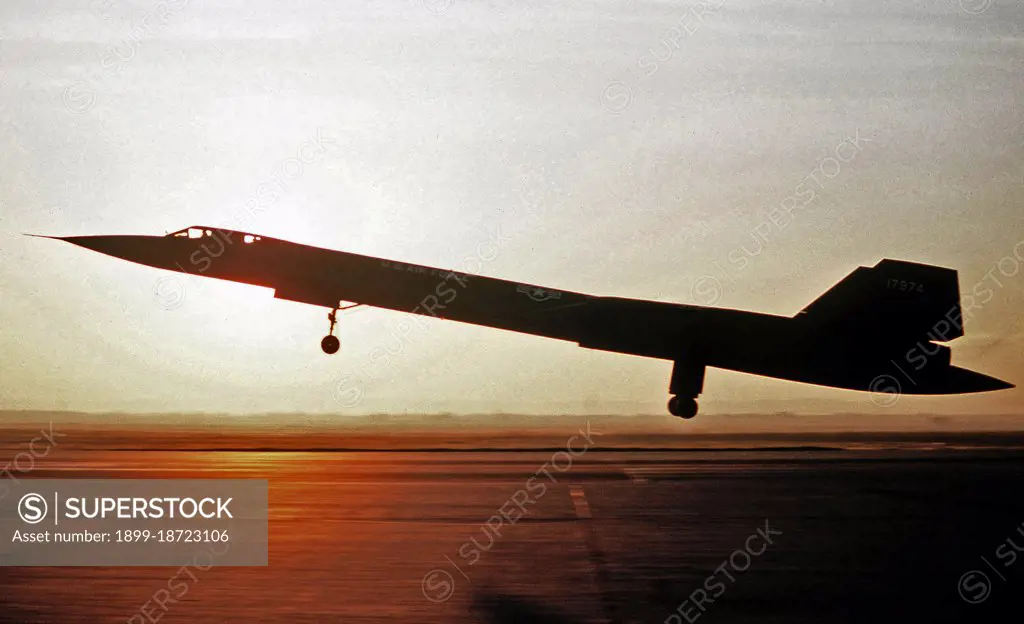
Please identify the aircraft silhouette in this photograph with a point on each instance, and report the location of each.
(875, 330)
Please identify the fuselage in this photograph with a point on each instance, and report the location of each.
(794, 348)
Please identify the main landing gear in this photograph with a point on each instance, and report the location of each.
(683, 407)
(686, 385)
(330, 344)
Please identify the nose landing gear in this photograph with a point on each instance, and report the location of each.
(330, 343)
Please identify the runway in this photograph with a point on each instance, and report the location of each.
(612, 536)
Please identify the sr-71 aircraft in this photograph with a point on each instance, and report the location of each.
(875, 330)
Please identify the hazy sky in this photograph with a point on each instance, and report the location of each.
(625, 148)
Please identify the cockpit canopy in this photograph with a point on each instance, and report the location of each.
(200, 231)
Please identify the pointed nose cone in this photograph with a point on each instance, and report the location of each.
(119, 246)
(999, 384)
(968, 381)
(149, 250)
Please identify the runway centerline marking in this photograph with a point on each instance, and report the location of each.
(579, 500)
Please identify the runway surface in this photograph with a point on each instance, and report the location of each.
(846, 535)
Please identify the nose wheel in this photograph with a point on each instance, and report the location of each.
(330, 344)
